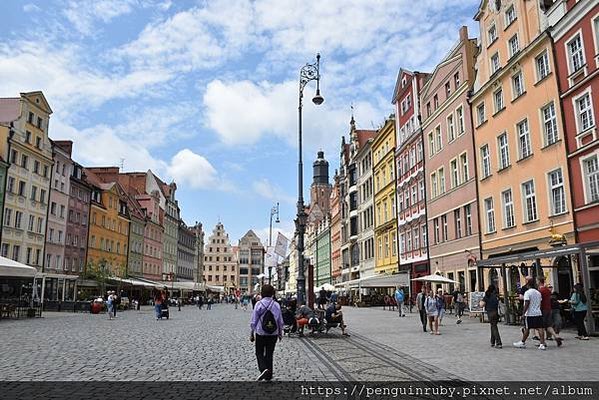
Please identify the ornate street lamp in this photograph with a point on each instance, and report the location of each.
(309, 72)
(273, 211)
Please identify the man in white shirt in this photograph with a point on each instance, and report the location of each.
(532, 316)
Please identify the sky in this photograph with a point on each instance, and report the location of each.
(205, 93)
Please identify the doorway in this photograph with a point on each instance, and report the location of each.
(564, 277)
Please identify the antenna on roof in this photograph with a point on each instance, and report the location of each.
(122, 164)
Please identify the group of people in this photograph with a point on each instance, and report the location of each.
(201, 300)
(541, 313)
(431, 308)
(112, 302)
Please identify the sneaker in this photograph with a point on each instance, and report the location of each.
(492, 344)
(542, 347)
(520, 345)
(459, 321)
(263, 375)
(559, 341)
(498, 346)
(584, 338)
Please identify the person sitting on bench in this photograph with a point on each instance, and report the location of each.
(334, 315)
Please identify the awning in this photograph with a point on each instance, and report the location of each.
(15, 269)
(384, 280)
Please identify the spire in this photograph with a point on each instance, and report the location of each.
(352, 127)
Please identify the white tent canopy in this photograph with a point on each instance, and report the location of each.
(434, 278)
(15, 269)
(380, 281)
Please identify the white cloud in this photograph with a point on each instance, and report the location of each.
(268, 190)
(83, 14)
(30, 7)
(192, 169)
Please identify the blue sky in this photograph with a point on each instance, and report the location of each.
(205, 92)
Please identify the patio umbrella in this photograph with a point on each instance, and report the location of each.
(328, 287)
(434, 278)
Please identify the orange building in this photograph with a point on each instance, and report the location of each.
(108, 226)
(522, 177)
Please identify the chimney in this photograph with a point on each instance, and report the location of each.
(463, 33)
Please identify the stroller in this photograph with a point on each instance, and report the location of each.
(290, 325)
(164, 313)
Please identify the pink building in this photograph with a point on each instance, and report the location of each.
(411, 201)
(452, 206)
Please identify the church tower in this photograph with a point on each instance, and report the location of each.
(320, 191)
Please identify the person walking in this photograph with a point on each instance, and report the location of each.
(110, 305)
(430, 305)
(440, 305)
(547, 312)
(210, 302)
(491, 305)
(399, 299)
(532, 316)
(158, 299)
(580, 308)
(116, 301)
(420, 299)
(459, 304)
(266, 326)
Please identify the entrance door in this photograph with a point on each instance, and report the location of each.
(472, 276)
(564, 277)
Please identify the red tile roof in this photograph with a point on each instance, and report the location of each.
(364, 135)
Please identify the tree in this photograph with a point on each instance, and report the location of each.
(98, 272)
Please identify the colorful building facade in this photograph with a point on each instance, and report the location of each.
(452, 205)
(385, 220)
(522, 165)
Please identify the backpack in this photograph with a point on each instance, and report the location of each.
(269, 324)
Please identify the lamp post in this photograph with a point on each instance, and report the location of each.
(309, 72)
(273, 211)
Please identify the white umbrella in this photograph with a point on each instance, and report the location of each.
(328, 287)
(434, 278)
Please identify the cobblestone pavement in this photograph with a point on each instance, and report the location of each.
(202, 345)
(193, 345)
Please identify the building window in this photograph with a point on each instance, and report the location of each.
(460, 117)
(480, 113)
(455, 177)
(431, 144)
(495, 65)
(575, 54)
(457, 220)
(15, 252)
(27, 137)
(508, 209)
(485, 157)
(468, 215)
(24, 161)
(424, 231)
(530, 201)
(465, 172)
(513, 45)
(510, 16)
(498, 100)
(21, 188)
(436, 230)
(584, 113)
(524, 146)
(436, 101)
(492, 34)
(441, 173)
(438, 139)
(558, 195)
(456, 80)
(591, 178)
(421, 189)
(4, 249)
(518, 85)
(7, 216)
(550, 124)
(445, 229)
(450, 128)
(490, 214)
(542, 64)
(504, 151)
(10, 187)
(447, 89)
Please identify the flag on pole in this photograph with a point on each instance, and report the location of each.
(281, 245)
(271, 258)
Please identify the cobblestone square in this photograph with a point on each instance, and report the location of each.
(203, 345)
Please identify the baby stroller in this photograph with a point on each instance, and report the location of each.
(290, 324)
(164, 310)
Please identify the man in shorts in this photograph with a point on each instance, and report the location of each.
(532, 316)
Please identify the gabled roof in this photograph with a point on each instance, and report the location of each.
(400, 74)
(9, 109)
(38, 99)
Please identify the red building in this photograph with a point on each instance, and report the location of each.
(575, 32)
(411, 193)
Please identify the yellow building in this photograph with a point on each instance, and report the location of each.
(385, 221)
(108, 226)
(27, 148)
(522, 171)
